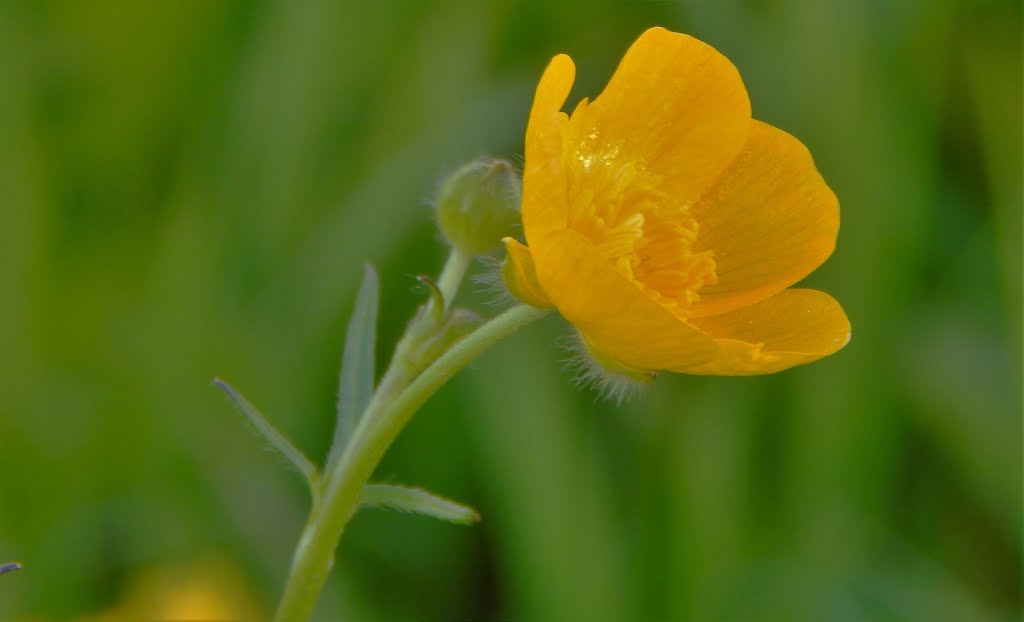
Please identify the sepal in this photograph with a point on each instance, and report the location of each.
(611, 379)
(520, 275)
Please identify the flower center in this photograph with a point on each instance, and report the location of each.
(616, 204)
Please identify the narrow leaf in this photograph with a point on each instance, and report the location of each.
(355, 386)
(272, 436)
(406, 499)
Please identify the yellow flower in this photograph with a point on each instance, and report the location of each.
(666, 224)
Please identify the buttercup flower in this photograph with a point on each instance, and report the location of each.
(667, 225)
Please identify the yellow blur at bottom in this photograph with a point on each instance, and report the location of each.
(209, 589)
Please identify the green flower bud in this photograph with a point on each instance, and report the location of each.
(478, 205)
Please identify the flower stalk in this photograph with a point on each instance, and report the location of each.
(400, 394)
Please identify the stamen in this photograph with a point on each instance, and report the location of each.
(617, 204)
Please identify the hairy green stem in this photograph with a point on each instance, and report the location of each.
(388, 412)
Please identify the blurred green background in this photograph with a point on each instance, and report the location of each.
(189, 189)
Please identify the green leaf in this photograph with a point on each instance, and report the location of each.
(272, 435)
(355, 386)
(406, 499)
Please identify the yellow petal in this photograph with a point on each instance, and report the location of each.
(520, 275)
(769, 220)
(544, 190)
(614, 316)
(677, 106)
(793, 327)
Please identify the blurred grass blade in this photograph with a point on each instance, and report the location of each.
(405, 499)
(355, 385)
(270, 433)
(11, 567)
